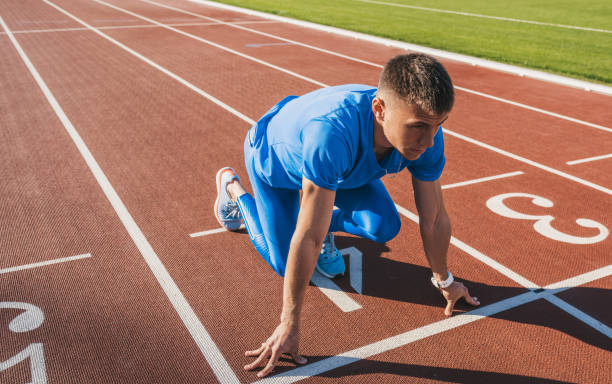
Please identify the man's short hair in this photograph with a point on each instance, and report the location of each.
(420, 79)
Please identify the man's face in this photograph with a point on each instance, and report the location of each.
(407, 127)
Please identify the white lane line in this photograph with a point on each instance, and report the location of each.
(477, 255)
(409, 337)
(573, 162)
(436, 10)
(580, 279)
(334, 293)
(212, 231)
(539, 75)
(44, 263)
(481, 180)
(267, 45)
(589, 320)
(219, 46)
(530, 162)
(540, 110)
(355, 267)
(467, 90)
(202, 338)
(27, 31)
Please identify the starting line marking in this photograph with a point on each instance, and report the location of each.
(201, 337)
(212, 231)
(267, 45)
(609, 155)
(334, 293)
(589, 320)
(44, 263)
(409, 337)
(482, 179)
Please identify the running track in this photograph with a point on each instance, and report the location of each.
(114, 119)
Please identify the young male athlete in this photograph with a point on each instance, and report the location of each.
(335, 144)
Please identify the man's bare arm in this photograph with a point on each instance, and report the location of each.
(434, 224)
(312, 226)
(435, 229)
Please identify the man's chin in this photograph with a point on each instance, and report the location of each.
(412, 155)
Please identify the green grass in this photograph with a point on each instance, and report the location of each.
(580, 54)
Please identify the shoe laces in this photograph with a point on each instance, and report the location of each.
(329, 247)
(230, 211)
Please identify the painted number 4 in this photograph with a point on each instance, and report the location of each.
(27, 321)
(542, 223)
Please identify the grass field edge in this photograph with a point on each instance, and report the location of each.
(475, 61)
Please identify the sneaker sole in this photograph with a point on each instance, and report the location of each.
(216, 205)
(326, 274)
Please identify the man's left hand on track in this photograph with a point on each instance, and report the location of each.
(285, 339)
(454, 293)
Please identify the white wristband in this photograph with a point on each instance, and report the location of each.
(443, 284)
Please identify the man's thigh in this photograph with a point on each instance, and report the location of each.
(278, 210)
(372, 209)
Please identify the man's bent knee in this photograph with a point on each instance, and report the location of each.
(388, 229)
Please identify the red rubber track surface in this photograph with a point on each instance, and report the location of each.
(159, 143)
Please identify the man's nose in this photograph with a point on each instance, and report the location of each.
(427, 139)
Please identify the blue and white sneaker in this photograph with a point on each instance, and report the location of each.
(226, 210)
(330, 263)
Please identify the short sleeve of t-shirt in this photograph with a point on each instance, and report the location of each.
(429, 166)
(325, 154)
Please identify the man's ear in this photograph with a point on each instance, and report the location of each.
(378, 108)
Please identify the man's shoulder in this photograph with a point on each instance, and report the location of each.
(340, 105)
(339, 95)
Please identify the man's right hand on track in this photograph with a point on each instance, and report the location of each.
(454, 293)
(285, 339)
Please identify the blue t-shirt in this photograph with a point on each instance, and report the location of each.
(327, 136)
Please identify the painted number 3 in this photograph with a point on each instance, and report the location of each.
(542, 223)
(27, 321)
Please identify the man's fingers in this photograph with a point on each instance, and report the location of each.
(471, 300)
(264, 354)
(450, 304)
(270, 366)
(299, 358)
(255, 352)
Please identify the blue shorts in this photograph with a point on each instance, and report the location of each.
(270, 214)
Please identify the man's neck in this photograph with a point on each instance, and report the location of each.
(381, 146)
